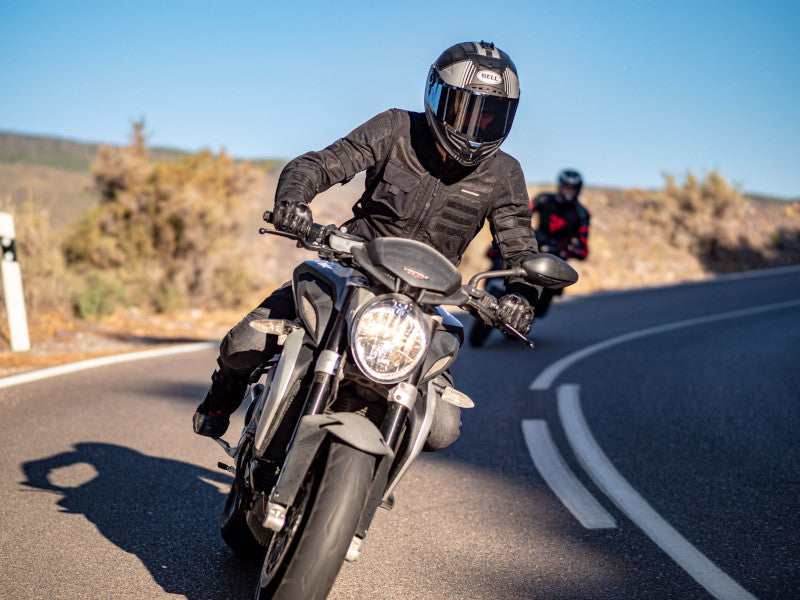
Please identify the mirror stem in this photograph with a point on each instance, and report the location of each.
(518, 272)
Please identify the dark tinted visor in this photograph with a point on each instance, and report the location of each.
(479, 117)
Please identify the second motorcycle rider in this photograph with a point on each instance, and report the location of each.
(434, 177)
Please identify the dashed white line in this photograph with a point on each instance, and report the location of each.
(613, 484)
(561, 479)
(608, 479)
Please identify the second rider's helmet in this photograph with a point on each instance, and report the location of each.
(569, 184)
(470, 100)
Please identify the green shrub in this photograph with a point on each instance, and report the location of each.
(101, 296)
(166, 229)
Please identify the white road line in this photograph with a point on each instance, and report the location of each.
(561, 480)
(635, 507)
(546, 377)
(101, 362)
(790, 270)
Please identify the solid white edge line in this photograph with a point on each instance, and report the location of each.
(547, 376)
(725, 277)
(561, 479)
(102, 361)
(608, 479)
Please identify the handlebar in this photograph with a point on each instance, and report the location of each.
(484, 306)
(314, 239)
(329, 240)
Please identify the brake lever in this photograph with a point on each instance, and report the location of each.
(485, 306)
(509, 330)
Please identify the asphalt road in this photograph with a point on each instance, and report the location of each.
(690, 393)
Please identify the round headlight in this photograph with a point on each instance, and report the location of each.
(389, 339)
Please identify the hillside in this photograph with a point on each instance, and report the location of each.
(637, 238)
(56, 173)
(59, 153)
(686, 231)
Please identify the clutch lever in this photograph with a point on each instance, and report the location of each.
(313, 240)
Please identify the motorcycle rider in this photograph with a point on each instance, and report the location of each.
(563, 227)
(433, 177)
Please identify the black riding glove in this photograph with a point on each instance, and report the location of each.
(516, 311)
(292, 216)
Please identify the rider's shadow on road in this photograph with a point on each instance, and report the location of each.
(161, 510)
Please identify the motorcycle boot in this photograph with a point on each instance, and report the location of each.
(212, 416)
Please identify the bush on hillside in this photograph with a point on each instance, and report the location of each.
(704, 216)
(45, 277)
(165, 231)
(713, 221)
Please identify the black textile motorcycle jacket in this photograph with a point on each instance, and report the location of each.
(410, 193)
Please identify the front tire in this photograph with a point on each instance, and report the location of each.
(303, 560)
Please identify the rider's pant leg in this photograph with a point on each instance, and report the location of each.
(244, 348)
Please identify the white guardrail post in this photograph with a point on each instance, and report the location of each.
(12, 287)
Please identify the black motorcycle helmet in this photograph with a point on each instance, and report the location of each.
(569, 184)
(470, 100)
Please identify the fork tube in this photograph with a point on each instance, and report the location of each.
(393, 424)
(326, 365)
(399, 406)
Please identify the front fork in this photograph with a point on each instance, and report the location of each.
(402, 396)
(401, 399)
(327, 366)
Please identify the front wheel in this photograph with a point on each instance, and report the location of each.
(303, 559)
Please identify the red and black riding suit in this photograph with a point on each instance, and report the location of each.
(563, 225)
(563, 230)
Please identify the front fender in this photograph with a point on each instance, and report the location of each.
(352, 429)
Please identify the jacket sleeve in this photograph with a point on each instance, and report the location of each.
(580, 245)
(314, 172)
(510, 223)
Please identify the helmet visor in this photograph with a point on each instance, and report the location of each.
(476, 116)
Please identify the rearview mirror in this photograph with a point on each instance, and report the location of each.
(549, 271)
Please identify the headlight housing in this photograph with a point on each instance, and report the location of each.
(389, 338)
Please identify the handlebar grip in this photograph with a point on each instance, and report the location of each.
(267, 216)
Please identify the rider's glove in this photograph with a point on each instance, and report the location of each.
(516, 311)
(292, 216)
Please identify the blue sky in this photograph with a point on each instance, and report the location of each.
(622, 90)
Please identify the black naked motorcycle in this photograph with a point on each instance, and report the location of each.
(338, 416)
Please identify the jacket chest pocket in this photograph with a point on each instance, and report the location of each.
(458, 222)
(394, 192)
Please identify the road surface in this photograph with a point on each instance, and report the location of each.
(665, 424)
